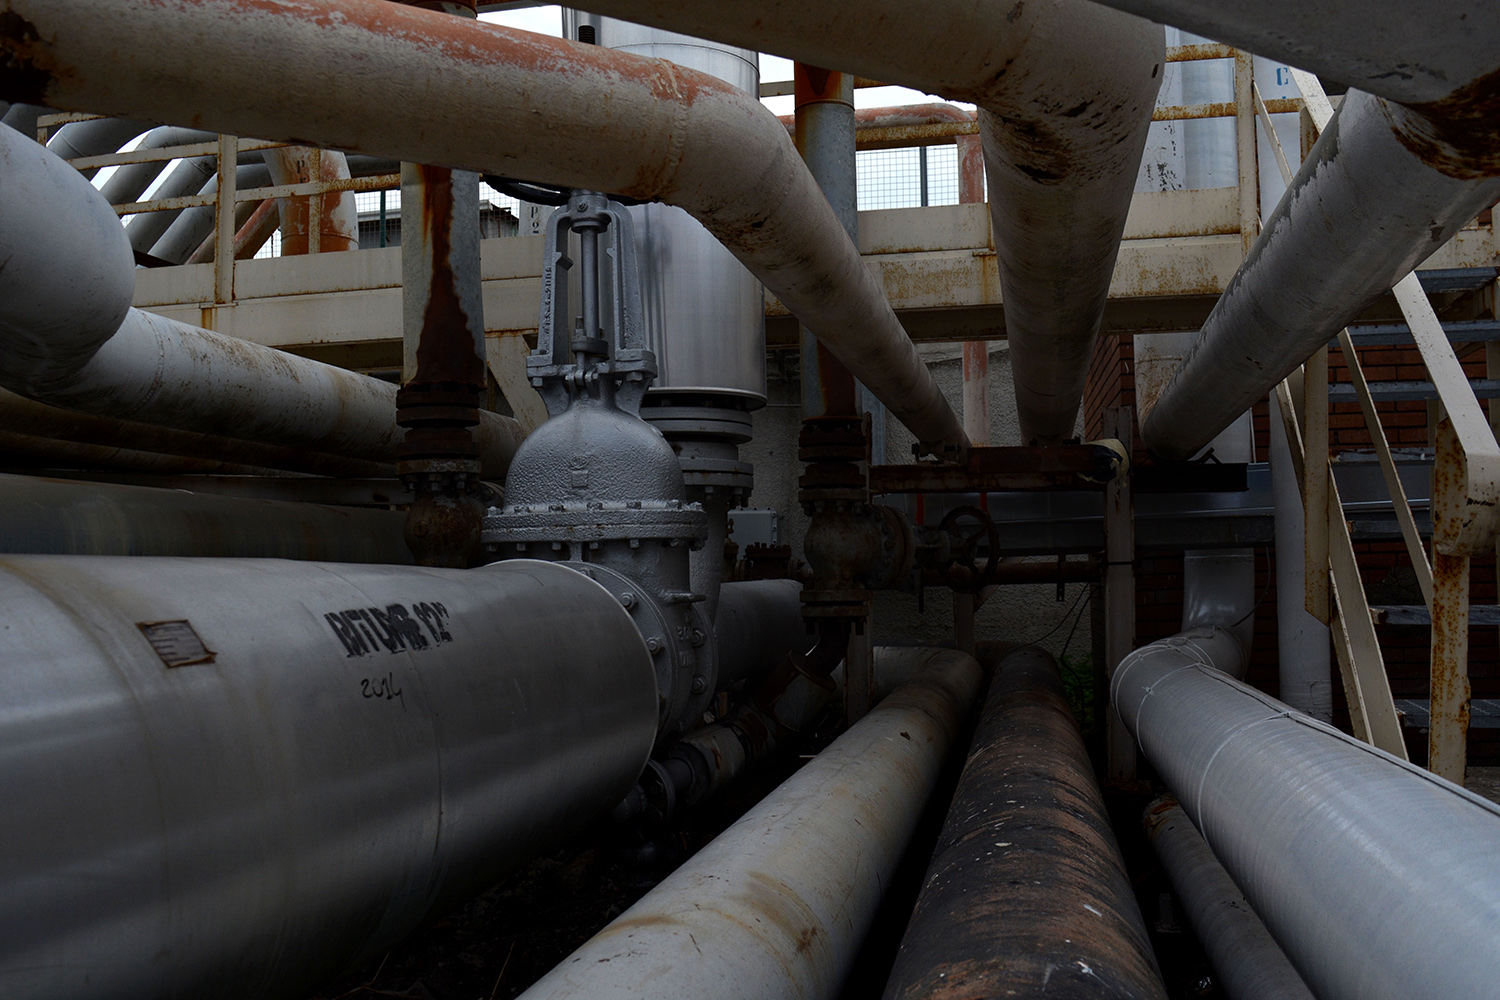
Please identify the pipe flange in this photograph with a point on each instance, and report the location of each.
(596, 521)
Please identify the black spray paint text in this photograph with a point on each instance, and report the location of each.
(394, 628)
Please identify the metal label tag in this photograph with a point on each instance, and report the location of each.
(176, 643)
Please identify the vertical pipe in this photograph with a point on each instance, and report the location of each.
(443, 353)
(337, 223)
(1302, 641)
(824, 133)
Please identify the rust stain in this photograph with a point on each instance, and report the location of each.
(1458, 135)
(27, 66)
(445, 351)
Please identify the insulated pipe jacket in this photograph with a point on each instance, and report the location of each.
(778, 904)
(390, 80)
(233, 778)
(1065, 90)
(1376, 877)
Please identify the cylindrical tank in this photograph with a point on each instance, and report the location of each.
(705, 314)
(231, 777)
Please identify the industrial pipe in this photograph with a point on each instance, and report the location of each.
(386, 77)
(1246, 960)
(1378, 168)
(66, 517)
(235, 778)
(130, 180)
(188, 178)
(1026, 894)
(91, 138)
(1065, 90)
(193, 225)
(158, 371)
(1412, 53)
(62, 300)
(339, 226)
(20, 415)
(26, 451)
(1376, 877)
(778, 904)
(758, 623)
(68, 274)
(1302, 642)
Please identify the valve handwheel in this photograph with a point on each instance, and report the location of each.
(967, 526)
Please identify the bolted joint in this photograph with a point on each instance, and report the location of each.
(859, 546)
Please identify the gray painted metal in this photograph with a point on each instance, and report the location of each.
(1302, 642)
(704, 313)
(1402, 51)
(194, 225)
(20, 415)
(22, 118)
(692, 140)
(778, 904)
(758, 623)
(159, 371)
(1378, 878)
(68, 517)
(188, 178)
(128, 182)
(68, 276)
(361, 744)
(1315, 268)
(1066, 92)
(1246, 959)
(91, 138)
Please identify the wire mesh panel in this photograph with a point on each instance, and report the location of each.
(907, 178)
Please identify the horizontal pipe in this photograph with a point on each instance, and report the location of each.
(1026, 894)
(758, 623)
(1315, 267)
(234, 778)
(66, 517)
(130, 181)
(778, 904)
(1247, 962)
(1065, 91)
(158, 371)
(1377, 878)
(26, 451)
(23, 416)
(68, 275)
(386, 76)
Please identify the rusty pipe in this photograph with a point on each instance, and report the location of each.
(1066, 91)
(1303, 816)
(384, 74)
(1378, 168)
(1026, 893)
(1246, 959)
(27, 451)
(779, 903)
(339, 228)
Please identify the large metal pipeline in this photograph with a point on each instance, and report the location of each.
(235, 777)
(387, 77)
(1026, 894)
(1413, 172)
(66, 517)
(19, 415)
(757, 624)
(1376, 877)
(69, 274)
(339, 226)
(1378, 168)
(1245, 958)
(72, 340)
(1066, 91)
(778, 904)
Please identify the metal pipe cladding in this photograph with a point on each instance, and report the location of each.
(235, 777)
